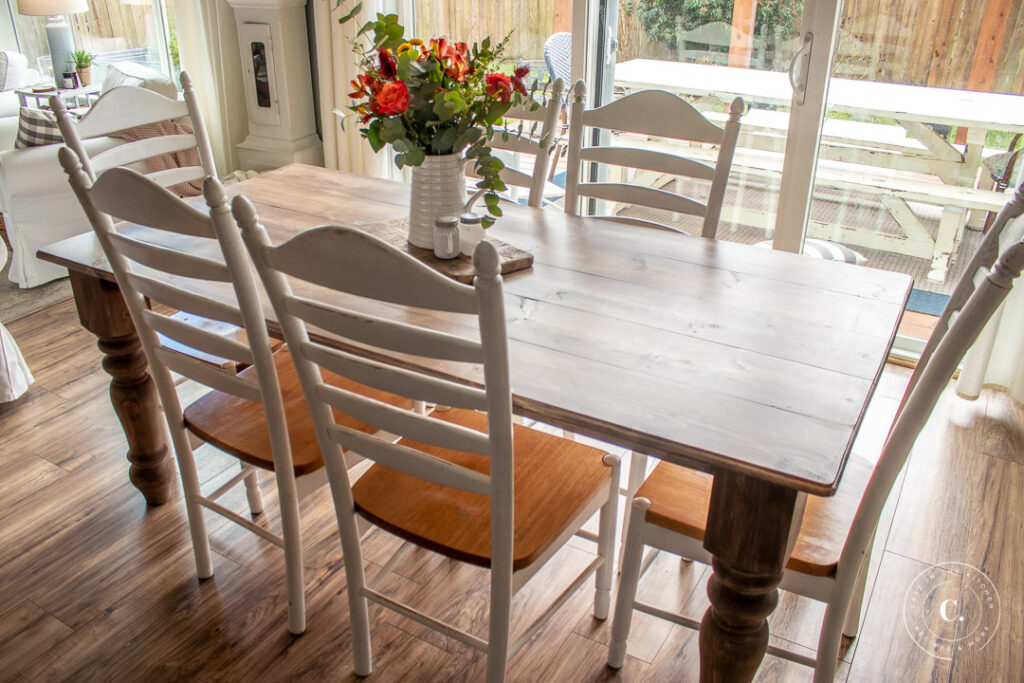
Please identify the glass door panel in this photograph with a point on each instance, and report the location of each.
(709, 53)
(922, 108)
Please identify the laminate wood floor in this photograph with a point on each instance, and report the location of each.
(96, 586)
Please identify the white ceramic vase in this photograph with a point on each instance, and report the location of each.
(438, 189)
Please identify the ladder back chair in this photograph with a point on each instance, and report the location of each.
(657, 114)
(832, 552)
(466, 483)
(128, 107)
(259, 415)
(529, 131)
(133, 107)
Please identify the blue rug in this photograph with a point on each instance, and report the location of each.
(929, 303)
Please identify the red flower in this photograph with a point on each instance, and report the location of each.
(364, 86)
(517, 79)
(388, 64)
(393, 98)
(500, 85)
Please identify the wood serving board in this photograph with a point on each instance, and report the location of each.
(460, 268)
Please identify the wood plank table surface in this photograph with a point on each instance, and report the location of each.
(751, 364)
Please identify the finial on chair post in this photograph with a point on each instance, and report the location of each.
(579, 91)
(213, 192)
(736, 109)
(186, 81)
(486, 264)
(72, 165)
(244, 213)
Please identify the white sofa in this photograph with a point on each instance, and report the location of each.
(35, 197)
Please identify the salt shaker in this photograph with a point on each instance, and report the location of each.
(471, 231)
(446, 237)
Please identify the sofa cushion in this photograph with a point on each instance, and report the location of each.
(129, 73)
(13, 69)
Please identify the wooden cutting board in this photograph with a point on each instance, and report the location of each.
(460, 268)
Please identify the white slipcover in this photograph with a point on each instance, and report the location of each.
(14, 373)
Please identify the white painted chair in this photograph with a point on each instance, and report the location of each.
(128, 107)
(466, 483)
(832, 552)
(530, 131)
(657, 114)
(246, 415)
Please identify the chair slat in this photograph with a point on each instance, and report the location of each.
(127, 196)
(410, 461)
(385, 334)
(641, 223)
(170, 260)
(646, 196)
(198, 338)
(204, 373)
(649, 160)
(303, 257)
(411, 425)
(126, 107)
(176, 176)
(185, 301)
(396, 380)
(658, 113)
(137, 150)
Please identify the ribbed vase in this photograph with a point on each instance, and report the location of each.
(438, 189)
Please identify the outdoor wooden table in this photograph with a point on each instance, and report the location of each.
(754, 365)
(877, 154)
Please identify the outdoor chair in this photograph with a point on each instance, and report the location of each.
(259, 415)
(558, 56)
(657, 114)
(830, 559)
(466, 483)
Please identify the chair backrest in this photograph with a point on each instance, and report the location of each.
(166, 127)
(215, 284)
(968, 321)
(977, 268)
(658, 114)
(558, 56)
(529, 130)
(355, 277)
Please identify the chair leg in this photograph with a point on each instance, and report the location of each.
(293, 570)
(628, 580)
(190, 486)
(355, 578)
(637, 474)
(606, 541)
(852, 625)
(500, 623)
(252, 491)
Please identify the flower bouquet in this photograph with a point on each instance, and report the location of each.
(435, 98)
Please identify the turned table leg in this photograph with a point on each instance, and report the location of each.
(751, 527)
(102, 311)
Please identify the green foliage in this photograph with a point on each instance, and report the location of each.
(658, 17)
(82, 58)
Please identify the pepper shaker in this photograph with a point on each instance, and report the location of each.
(446, 237)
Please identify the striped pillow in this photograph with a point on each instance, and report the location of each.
(828, 251)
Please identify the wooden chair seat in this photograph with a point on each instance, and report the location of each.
(555, 479)
(238, 426)
(680, 497)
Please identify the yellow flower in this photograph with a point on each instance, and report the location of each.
(404, 47)
(415, 41)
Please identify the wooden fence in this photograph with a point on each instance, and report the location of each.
(963, 44)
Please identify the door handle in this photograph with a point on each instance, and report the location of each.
(798, 68)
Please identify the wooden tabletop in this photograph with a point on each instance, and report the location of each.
(991, 111)
(704, 353)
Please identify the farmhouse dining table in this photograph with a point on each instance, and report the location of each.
(751, 364)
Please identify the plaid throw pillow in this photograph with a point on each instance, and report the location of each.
(37, 127)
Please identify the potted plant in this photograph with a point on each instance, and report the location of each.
(436, 102)
(83, 65)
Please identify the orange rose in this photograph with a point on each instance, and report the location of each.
(393, 98)
(499, 84)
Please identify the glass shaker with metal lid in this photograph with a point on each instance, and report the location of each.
(446, 237)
